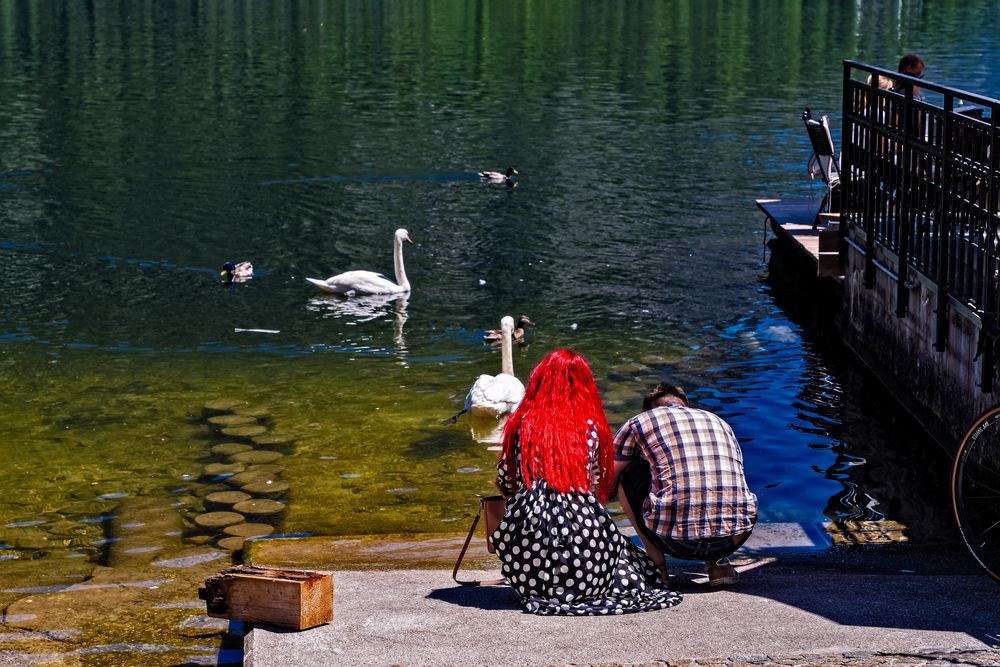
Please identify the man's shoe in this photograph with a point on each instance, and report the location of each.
(722, 573)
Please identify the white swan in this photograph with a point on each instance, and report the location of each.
(497, 395)
(369, 282)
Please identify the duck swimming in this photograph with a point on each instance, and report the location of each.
(495, 336)
(505, 178)
(369, 282)
(233, 272)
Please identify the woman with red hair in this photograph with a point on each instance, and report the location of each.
(558, 547)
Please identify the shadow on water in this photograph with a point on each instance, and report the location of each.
(432, 443)
(887, 465)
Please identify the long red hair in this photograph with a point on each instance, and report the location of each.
(550, 427)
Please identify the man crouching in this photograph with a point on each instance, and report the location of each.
(682, 484)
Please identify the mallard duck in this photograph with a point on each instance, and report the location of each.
(494, 336)
(495, 395)
(506, 178)
(369, 282)
(233, 272)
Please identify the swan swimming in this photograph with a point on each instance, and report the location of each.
(369, 282)
(498, 395)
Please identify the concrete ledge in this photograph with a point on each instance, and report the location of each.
(420, 618)
(383, 552)
(817, 590)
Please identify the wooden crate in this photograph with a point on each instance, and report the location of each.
(286, 598)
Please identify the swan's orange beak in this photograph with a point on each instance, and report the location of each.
(407, 239)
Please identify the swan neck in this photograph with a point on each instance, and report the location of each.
(397, 263)
(506, 353)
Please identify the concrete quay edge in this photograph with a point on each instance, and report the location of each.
(901, 605)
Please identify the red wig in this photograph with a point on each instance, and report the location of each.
(550, 426)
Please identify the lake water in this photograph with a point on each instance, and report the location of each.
(144, 144)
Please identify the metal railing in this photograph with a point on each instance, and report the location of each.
(920, 186)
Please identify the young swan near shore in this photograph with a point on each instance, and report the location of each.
(495, 395)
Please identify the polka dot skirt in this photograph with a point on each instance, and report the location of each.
(563, 554)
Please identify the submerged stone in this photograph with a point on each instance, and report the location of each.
(72, 588)
(223, 421)
(249, 529)
(230, 448)
(189, 561)
(252, 411)
(218, 519)
(216, 469)
(231, 543)
(222, 405)
(260, 506)
(241, 479)
(256, 456)
(244, 431)
(203, 622)
(226, 498)
(271, 439)
(271, 488)
(273, 468)
(193, 604)
(54, 635)
(17, 618)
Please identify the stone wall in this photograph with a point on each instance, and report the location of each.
(941, 389)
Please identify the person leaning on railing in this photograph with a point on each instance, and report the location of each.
(912, 65)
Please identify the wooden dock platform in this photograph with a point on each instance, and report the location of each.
(795, 220)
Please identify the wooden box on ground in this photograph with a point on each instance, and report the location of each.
(287, 598)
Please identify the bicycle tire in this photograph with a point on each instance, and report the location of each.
(975, 491)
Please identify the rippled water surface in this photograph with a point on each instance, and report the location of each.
(144, 144)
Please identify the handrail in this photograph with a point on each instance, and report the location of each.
(921, 184)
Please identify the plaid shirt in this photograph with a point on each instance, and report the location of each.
(698, 489)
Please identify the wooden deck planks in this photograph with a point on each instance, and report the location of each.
(794, 219)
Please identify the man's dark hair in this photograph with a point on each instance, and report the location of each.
(908, 63)
(664, 394)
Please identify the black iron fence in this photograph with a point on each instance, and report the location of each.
(920, 186)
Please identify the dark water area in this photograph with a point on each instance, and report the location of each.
(144, 144)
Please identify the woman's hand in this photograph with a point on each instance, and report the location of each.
(502, 489)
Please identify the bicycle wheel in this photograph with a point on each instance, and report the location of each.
(975, 491)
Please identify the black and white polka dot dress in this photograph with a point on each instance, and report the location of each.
(563, 554)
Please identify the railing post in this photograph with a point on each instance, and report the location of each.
(989, 317)
(846, 141)
(943, 228)
(868, 216)
(903, 208)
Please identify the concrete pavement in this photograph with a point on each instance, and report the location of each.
(907, 605)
